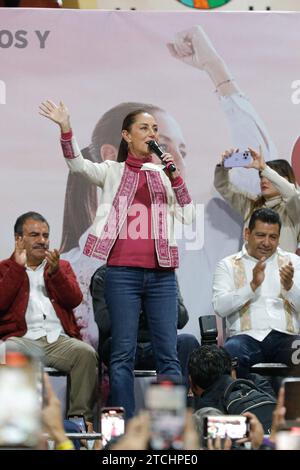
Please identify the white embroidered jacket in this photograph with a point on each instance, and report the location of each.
(119, 183)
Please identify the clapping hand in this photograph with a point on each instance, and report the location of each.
(258, 274)
(286, 274)
(20, 252)
(52, 258)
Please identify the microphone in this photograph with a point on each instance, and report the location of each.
(155, 148)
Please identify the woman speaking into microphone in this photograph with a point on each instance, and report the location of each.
(133, 232)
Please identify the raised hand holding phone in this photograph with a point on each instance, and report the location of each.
(226, 426)
(166, 403)
(237, 159)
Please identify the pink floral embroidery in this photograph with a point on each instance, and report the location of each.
(89, 245)
(159, 210)
(122, 201)
(100, 247)
(182, 195)
(174, 256)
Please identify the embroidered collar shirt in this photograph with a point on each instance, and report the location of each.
(270, 307)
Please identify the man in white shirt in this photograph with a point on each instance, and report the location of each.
(38, 292)
(258, 292)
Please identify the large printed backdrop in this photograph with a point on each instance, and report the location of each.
(94, 60)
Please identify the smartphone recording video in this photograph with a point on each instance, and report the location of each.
(20, 410)
(292, 398)
(166, 403)
(232, 426)
(112, 423)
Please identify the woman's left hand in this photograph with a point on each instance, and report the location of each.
(167, 159)
(56, 113)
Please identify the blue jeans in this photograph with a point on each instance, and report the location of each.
(186, 344)
(276, 347)
(125, 288)
(69, 427)
(144, 359)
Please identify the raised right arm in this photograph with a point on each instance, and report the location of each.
(59, 114)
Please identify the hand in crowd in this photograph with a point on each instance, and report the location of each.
(137, 434)
(20, 253)
(58, 114)
(256, 434)
(286, 276)
(52, 258)
(191, 437)
(52, 415)
(193, 47)
(258, 274)
(278, 415)
(219, 444)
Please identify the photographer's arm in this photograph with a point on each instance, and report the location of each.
(286, 189)
(52, 419)
(239, 199)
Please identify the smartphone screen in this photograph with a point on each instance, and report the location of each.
(232, 426)
(288, 439)
(20, 410)
(166, 403)
(292, 398)
(80, 421)
(112, 423)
